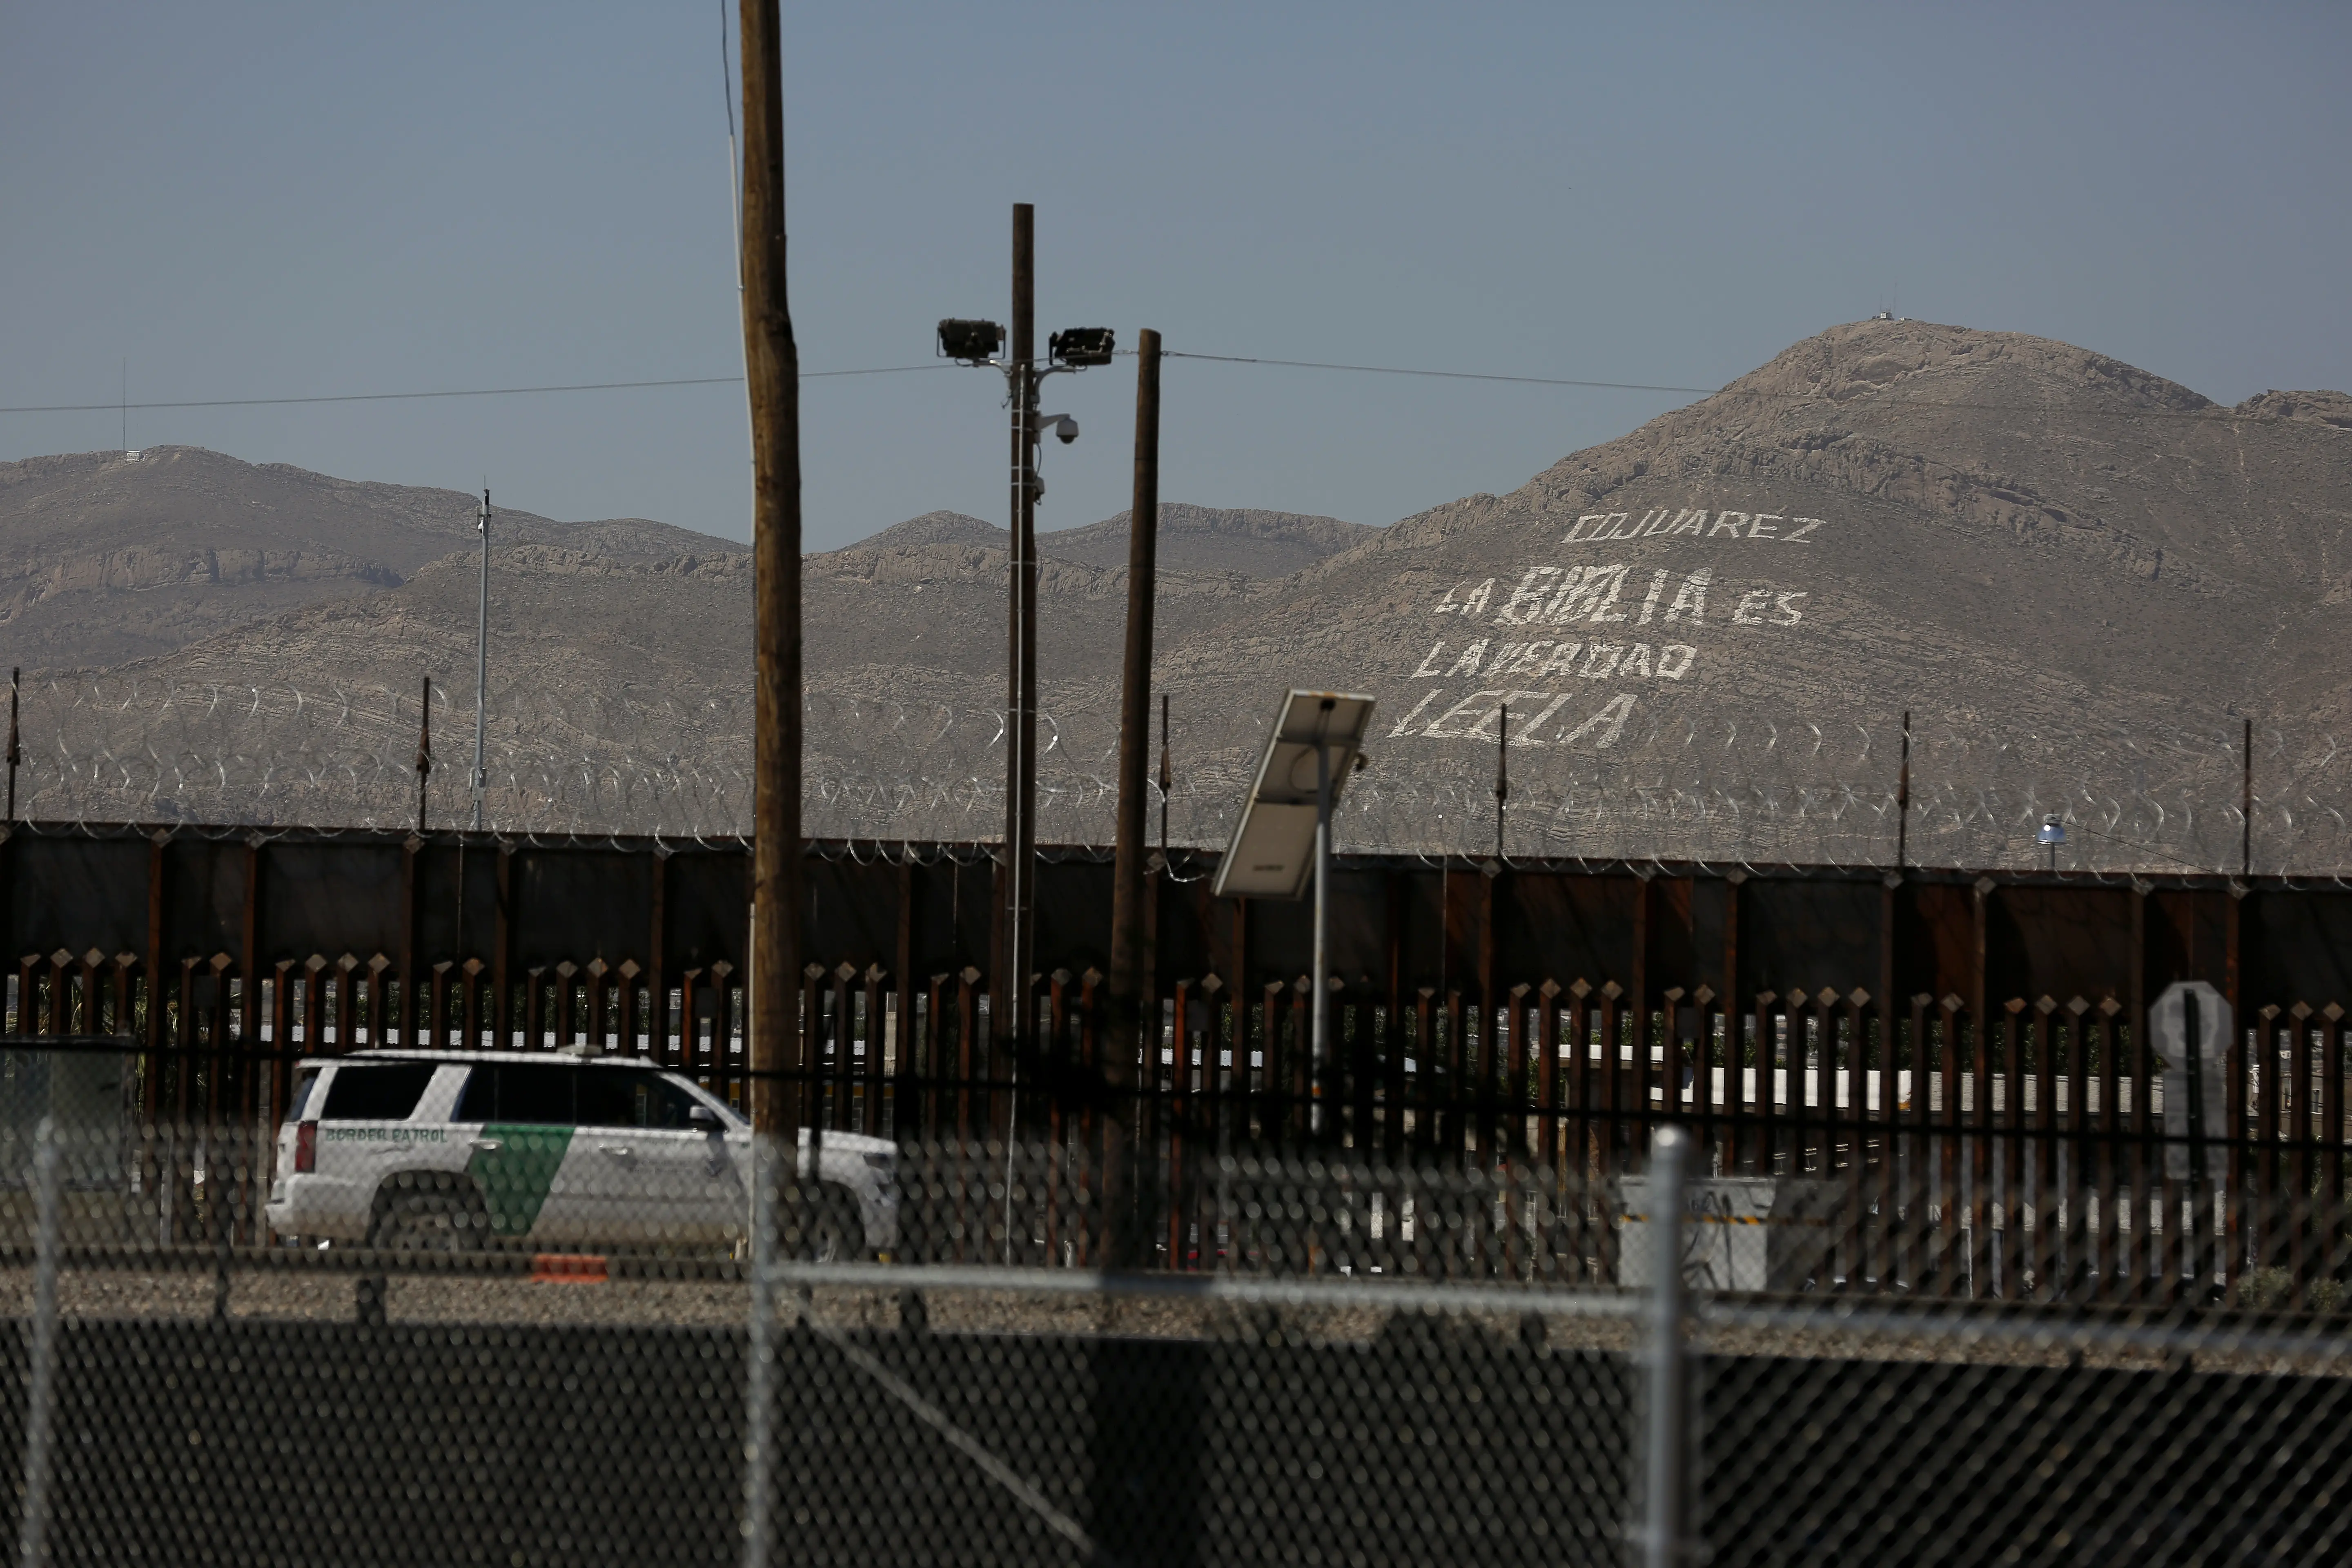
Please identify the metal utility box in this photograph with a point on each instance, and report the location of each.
(81, 1092)
(1740, 1233)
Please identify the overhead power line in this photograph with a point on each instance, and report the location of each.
(456, 391)
(2208, 412)
(1670, 388)
(1448, 375)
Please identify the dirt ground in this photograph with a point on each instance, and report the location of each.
(303, 1295)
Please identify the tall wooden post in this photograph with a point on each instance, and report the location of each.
(1130, 958)
(771, 368)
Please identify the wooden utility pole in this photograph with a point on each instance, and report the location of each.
(772, 369)
(1010, 1009)
(1129, 960)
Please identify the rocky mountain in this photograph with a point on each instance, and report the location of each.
(284, 684)
(106, 557)
(2078, 578)
(1205, 539)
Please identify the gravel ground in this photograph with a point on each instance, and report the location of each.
(303, 1295)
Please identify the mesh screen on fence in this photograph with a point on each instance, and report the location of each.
(510, 1308)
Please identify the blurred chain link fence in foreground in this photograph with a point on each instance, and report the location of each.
(120, 749)
(559, 1307)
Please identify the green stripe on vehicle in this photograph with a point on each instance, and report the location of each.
(516, 1175)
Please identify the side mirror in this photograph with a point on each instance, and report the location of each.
(703, 1117)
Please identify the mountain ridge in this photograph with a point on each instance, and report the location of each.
(2072, 567)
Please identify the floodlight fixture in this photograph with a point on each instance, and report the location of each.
(973, 342)
(1079, 347)
(1284, 831)
(2053, 833)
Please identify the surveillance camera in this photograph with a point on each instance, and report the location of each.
(1066, 428)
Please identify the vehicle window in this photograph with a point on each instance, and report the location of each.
(518, 1091)
(304, 1083)
(624, 1097)
(675, 1103)
(478, 1100)
(376, 1091)
(608, 1098)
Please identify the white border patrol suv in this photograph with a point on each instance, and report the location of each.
(455, 1151)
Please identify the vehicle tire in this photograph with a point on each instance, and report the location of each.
(429, 1212)
(833, 1230)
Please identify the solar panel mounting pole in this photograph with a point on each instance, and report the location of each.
(1281, 846)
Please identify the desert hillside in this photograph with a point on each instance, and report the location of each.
(2079, 579)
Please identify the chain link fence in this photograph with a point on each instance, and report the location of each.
(499, 1308)
(121, 749)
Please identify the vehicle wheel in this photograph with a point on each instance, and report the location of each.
(429, 1212)
(834, 1231)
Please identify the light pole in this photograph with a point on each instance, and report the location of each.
(482, 659)
(981, 343)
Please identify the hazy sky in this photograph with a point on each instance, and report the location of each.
(253, 201)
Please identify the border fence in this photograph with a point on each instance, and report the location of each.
(1644, 1213)
(773, 1400)
(1960, 1064)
